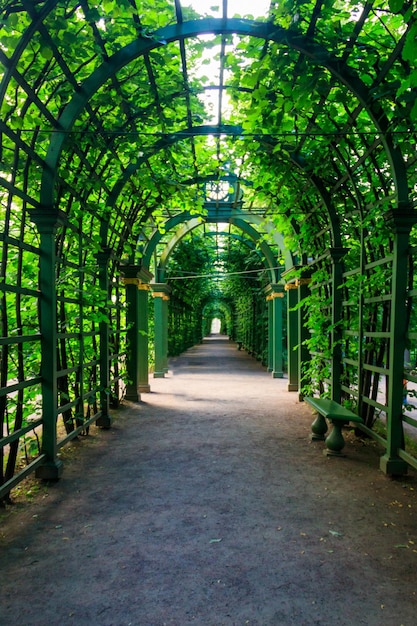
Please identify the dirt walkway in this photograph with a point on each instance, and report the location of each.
(207, 504)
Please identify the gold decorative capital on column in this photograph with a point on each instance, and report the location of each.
(144, 286)
(302, 281)
(160, 294)
(131, 281)
(289, 286)
(275, 294)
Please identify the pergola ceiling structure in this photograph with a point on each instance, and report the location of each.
(120, 116)
(111, 107)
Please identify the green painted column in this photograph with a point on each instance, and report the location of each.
(105, 420)
(336, 255)
(292, 336)
(160, 293)
(303, 333)
(136, 280)
(143, 337)
(270, 334)
(275, 294)
(47, 222)
(131, 283)
(401, 222)
(165, 301)
(277, 297)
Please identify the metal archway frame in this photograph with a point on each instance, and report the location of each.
(193, 28)
(269, 258)
(241, 219)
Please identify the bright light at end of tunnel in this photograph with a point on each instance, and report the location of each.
(256, 9)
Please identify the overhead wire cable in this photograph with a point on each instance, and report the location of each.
(223, 274)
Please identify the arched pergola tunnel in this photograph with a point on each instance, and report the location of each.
(114, 132)
(189, 329)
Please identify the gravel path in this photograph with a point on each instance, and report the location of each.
(207, 504)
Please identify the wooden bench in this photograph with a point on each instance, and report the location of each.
(338, 415)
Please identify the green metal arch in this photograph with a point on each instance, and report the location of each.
(270, 259)
(262, 30)
(219, 304)
(150, 247)
(240, 218)
(233, 130)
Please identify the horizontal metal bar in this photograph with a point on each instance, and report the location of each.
(17, 478)
(375, 368)
(412, 293)
(73, 265)
(411, 421)
(350, 391)
(350, 333)
(21, 290)
(384, 261)
(376, 299)
(377, 334)
(78, 335)
(405, 456)
(374, 403)
(115, 379)
(69, 370)
(19, 433)
(19, 244)
(17, 192)
(350, 362)
(371, 433)
(351, 272)
(67, 300)
(77, 368)
(78, 430)
(64, 407)
(4, 391)
(19, 339)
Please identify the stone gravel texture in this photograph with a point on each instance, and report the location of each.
(207, 504)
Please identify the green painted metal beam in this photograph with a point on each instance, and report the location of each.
(262, 30)
(48, 223)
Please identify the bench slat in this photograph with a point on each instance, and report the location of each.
(332, 410)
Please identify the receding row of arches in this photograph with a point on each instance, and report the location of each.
(256, 169)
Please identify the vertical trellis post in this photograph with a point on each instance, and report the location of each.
(160, 292)
(275, 294)
(143, 335)
(104, 421)
(336, 255)
(131, 283)
(270, 332)
(292, 336)
(47, 222)
(303, 333)
(401, 222)
(136, 280)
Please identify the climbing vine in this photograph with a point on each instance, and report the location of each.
(316, 130)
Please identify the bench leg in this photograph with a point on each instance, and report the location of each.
(319, 428)
(335, 441)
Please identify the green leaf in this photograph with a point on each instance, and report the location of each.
(396, 5)
(413, 112)
(46, 52)
(409, 52)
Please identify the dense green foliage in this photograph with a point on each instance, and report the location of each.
(307, 145)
